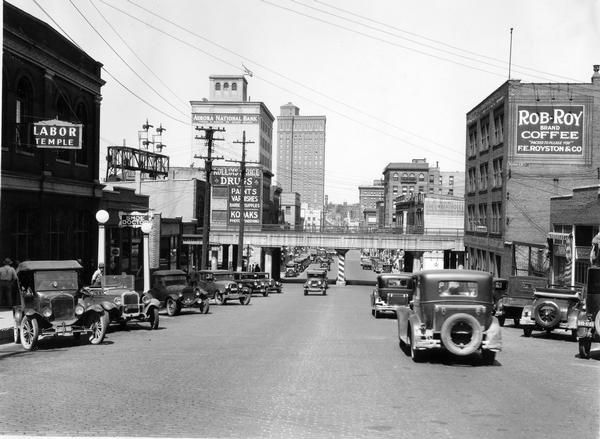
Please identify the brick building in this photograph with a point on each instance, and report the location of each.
(368, 196)
(525, 143)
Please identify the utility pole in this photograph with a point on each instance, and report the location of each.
(208, 159)
(242, 190)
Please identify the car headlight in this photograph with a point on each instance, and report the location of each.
(117, 301)
(239, 286)
(180, 294)
(146, 299)
(79, 310)
(255, 284)
(47, 312)
(197, 293)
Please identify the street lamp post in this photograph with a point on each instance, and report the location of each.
(146, 228)
(102, 217)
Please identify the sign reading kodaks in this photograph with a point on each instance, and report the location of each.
(57, 134)
(550, 130)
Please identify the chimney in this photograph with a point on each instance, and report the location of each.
(596, 75)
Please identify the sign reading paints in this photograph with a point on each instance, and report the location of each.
(57, 134)
(550, 129)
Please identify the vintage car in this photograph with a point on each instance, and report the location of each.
(451, 310)
(588, 320)
(253, 281)
(366, 263)
(116, 294)
(519, 293)
(223, 287)
(553, 307)
(273, 286)
(316, 282)
(172, 289)
(325, 264)
(391, 290)
(377, 265)
(291, 269)
(50, 304)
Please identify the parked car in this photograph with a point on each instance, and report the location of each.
(366, 263)
(251, 280)
(273, 286)
(116, 294)
(50, 304)
(316, 282)
(553, 307)
(391, 290)
(223, 286)
(326, 264)
(377, 265)
(588, 320)
(291, 270)
(519, 293)
(450, 310)
(172, 289)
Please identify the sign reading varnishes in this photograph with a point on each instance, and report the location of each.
(550, 130)
(57, 134)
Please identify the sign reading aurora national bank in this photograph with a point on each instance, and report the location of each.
(550, 130)
(224, 118)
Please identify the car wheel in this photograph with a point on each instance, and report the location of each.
(98, 325)
(417, 356)
(376, 313)
(305, 292)
(172, 307)
(153, 317)
(123, 324)
(204, 306)
(245, 300)
(501, 320)
(461, 334)
(488, 357)
(517, 322)
(30, 331)
(527, 331)
(585, 348)
(265, 294)
(546, 314)
(219, 299)
(372, 312)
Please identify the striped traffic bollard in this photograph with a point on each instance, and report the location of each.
(341, 277)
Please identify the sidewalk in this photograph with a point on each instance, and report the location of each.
(6, 325)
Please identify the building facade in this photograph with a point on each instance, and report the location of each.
(368, 196)
(416, 177)
(301, 155)
(525, 143)
(49, 196)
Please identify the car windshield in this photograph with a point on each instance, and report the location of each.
(118, 281)
(223, 276)
(55, 280)
(175, 280)
(458, 288)
(394, 283)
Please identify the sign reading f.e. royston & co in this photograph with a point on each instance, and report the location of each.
(57, 134)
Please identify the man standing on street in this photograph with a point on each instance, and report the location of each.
(8, 276)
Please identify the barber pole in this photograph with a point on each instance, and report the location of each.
(341, 277)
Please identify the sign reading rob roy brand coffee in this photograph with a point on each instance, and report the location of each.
(550, 130)
(57, 134)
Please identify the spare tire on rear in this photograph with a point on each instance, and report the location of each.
(461, 334)
(546, 314)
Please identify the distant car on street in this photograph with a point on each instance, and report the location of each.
(223, 286)
(316, 282)
(50, 304)
(172, 289)
(254, 281)
(450, 310)
(391, 290)
(518, 293)
(366, 263)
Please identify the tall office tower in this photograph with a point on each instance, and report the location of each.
(301, 155)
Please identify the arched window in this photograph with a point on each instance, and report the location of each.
(23, 114)
(64, 113)
(234, 86)
(421, 177)
(395, 176)
(225, 86)
(217, 86)
(412, 175)
(405, 175)
(81, 155)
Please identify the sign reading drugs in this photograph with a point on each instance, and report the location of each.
(550, 130)
(230, 176)
(57, 134)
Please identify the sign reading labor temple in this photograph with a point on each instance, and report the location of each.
(550, 130)
(57, 134)
(230, 176)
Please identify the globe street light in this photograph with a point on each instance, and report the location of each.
(102, 217)
(146, 228)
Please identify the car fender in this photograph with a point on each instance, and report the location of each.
(493, 334)
(108, 306)
(572, 318)
(173, 296)
(17, 315)
(99, 308)
(415, 324)
(154, 303)
(527, 314)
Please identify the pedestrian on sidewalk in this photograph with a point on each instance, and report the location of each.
(8, 278)
(97, 276)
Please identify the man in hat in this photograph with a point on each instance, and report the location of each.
(8, 277)
(97, 276)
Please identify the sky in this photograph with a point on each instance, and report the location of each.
(394, 78)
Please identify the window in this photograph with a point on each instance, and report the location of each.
(496, 219)
(483, 177)
(472, 140)
(499, 128)
(234, 86)
(431, 178)
(497, 169)
(395, 190)
(404, 190)
(225, 86)
(421, 189)
(23, 114)
(412, 175)
(483, 215)
(485, 134)
(472, 180)
(451, 180)
(421, 177)
(430, 191)
(457, 288)
(217, 86)
(471, 217)
(450, 191)
(64, 112)
(81, 155)
(395, 176)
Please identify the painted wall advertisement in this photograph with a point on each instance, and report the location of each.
(230, 176)
(550, 130)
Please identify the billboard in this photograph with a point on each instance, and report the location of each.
(57, 134)
(231, 177)
(550, 130)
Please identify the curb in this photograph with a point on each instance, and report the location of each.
(6, 335)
